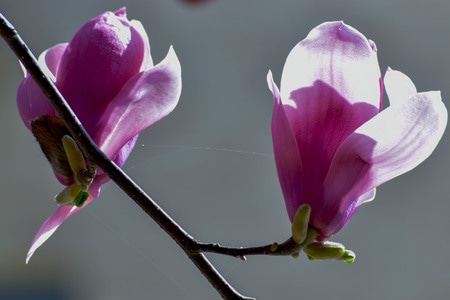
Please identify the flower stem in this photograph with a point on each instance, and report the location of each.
(289, 247)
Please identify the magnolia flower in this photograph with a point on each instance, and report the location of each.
(107, 76)
(333, 144)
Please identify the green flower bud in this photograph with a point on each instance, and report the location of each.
(68, 195)
(274, 247)
(74, 155)
(81, 198)
(348, 256)
(74, 194)
(325, 250)
(300, 224)
(76, 161)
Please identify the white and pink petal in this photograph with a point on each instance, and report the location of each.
(338, 55)
(392, 143)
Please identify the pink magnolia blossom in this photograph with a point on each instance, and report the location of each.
(333, 144)
(107, 76)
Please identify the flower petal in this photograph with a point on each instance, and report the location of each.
(145, 99)
(31, 102)
(287, 156)
(367, 197)
(49, 60)
(137, 26)
(330, 86)
(399, 87)
(147, 61)
(320, 126)
(339, 56)
(49, 227)
(102, 56)
(392, 143)
(57, 218)
(406, 134)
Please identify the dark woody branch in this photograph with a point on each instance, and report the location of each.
(94, 154)
(193, 248)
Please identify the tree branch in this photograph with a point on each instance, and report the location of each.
(93, 153)
(193, 248)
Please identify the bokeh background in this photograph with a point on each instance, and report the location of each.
(210, 163)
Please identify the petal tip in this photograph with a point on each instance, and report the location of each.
(269, 79)
(399, 87)
(121, 12)
(273, 88)
(172, 61)
(37, 242)
(29, 255)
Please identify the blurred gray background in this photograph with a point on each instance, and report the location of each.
(210, 164)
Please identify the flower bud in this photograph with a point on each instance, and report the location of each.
(68, 195)
(348, 256)
(300, 223)
(325, 250)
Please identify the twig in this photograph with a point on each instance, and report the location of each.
(93, 153)
(289, 247)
